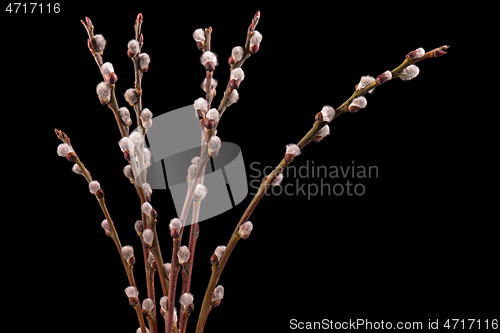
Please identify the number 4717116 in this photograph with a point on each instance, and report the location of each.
(471, 324)
(32, 8)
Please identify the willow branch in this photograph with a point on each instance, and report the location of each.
(266, 183)
(112, 230)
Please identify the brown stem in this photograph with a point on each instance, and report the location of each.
(174, 273)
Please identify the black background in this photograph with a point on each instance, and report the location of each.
(418, 245)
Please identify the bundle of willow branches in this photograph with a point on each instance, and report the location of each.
(138, 157)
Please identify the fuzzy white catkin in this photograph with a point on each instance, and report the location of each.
(200, 192)
(107, 68)
(76, 169)
(151, 258)
(100, 42)
(130, 96)
(94, 186)
(186, 299)
(131, 291)
(213, 84)
(148, 236)
(234, 96)
(175, 224)
(195, 160)
(103, 90)
(419, 53)
(192, 171)
(126, 144)
(164, 303)
(201, 104)
(183, 254)
(277, 181)
(365, 81)
(125, 115)
(64, 149)
(134, 46)
(214, 143)
(145, 186)
(105, 225)
(256, 38)
(208, 56)
(219, 251)
(139, 330)
(127, 252)
(237, 74)
(146, 208)
(146, 115)
(409, 73)
(199, 35)
(147, 157)
(218, 293)
(136, 138)
(328, 113)
(144, 60)
(245, 229)
(237, 53)
(213, 114)
(148, 304)
(359, 102)
(168, 268)
(323, 131)
(128, 172)
(293, 149)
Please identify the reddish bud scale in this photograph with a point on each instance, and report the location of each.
(71, 156)
(88, 21)
(411, 55)
(89, 45)
(99, 194)
(234, 84)
(133, 301)
(126, 155)
(107, 233)
(254, 48)
(214, 153)
(210, 66)
(131, 261)
(251, 27)
(381, 79)
(216, 303)
(214, 260)
(439, 53)
(145, 69)
(189, 308)
(319, 116)
(154, 214)
(130, 54)
(353, 108)
(200, 113)
(175, 233)
(111, 78)
(288, 158)
(231, 60)
(209, 123)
